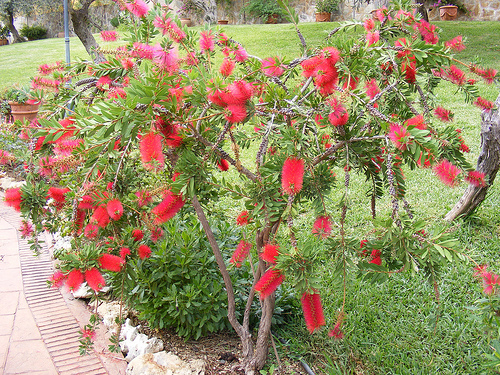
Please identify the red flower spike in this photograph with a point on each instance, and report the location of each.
(138, 8)
(484, 104)
(168, 208)
(86, 203)
(476, 178)
(151, 151)
(13, 198)
(156, 234)
(124, 251)
(115, 209)
(227, 67)
(292, 175)
(269, 282)
(416, 122)
(94, 279)
(269, 253)
(223, 165)
(243, 218)
(137, 234)
(100, 217)
(206, 41)
(74, 279)
(322, 227)
(91, 231)
(235, 113)
(399, 136)
(443, 114)
(313, 311)
(143, 198)
(456, 44)
(336, 333)
(447, 172)
(110, 262)
(339, 115)
(240, 253)
(57, 279)
(144, 251)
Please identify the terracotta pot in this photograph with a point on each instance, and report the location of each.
(3, 42)
(222, 22)
(23, 111)
(448, 12)
(323, 17)
(272, 18)
(186, 21)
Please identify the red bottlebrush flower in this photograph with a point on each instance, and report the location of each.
(143, 197)
(272, 67)
(269, 282)
(243, 218)
(269, 253)
(91, 231)
(170, 28)
(124, 251)
(156, 234)
(476, 178)
(490, 280)
(310, 66)
(428, 32)
(223, 165)
(116, 93)
(165, 59)
(447, 172)
(138, 8)
(456, 76)
(144, 251)
(115, 209)
(57, 279)
(66, 146)
(484, 104)
(227, 67)
(339, 115)
(399, 136)
(240, 253)
(480, 270)
(322, 227)
(206, 41)
(109, 35)
(88, 333)
(489, 75)
(102, 82)
(86, 203)
(100, 217)
(58, 194)
(151, 151)
(110, 262)
(74, 279)
(372, 37)
(455, 44)
(5, 157)
(464, 147)
(336, 333)
(292, 175)
(443, 114)
(94, 279)
(235, 113)
(238, 93)
(26, 229)
(127, 64)
(13, 198)
(375, 257)
(240, 54)
(137, 234)
(410, 70)
(424, 160)
(313, 311)
(416, 122)
(168, 208)
(369, 24)
(143, 51)
(372, 88)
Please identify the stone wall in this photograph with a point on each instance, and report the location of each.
(54, 21)
(479, 10)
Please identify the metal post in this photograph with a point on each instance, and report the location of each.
(66, 31)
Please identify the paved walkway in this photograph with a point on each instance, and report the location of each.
(39, 326)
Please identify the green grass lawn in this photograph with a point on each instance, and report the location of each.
(397, 327)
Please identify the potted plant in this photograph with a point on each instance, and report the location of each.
(267, 10)
(324, 9)
(448, 9)
(187, 10)
(4, 34)
(23, 103)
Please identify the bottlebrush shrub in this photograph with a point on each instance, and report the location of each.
(157, 122)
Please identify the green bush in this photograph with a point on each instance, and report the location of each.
(34, 32)
(180, 287)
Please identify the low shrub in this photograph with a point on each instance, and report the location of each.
(34, 32)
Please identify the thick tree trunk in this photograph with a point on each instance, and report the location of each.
(10, 24)
(421, 10)
(488, 163)
(81, 25)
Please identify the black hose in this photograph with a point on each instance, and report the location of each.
(304, 365)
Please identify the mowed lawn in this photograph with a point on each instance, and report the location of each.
(398, 327)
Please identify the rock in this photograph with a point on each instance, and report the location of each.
(84, 291)
(109, 312)
(135, 344)
(163, 363)
(10, 183)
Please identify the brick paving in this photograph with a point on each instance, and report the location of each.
(39, 326)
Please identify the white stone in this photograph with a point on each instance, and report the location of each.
(109, 312)
(163, 363)
(134, 344)
(10, 183)
(84, 291)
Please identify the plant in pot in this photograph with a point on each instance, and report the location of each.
(23, 103)
(266, 10)
(448, 9)
(324, 9)
(188, 9)
(4, 34)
